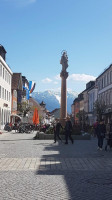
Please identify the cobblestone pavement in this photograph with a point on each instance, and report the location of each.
(39, 169)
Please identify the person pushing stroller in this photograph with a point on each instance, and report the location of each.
(108, 135)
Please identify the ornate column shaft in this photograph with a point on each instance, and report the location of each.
(63, 111)
(63, 75)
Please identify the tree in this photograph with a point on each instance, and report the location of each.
(99, 108)
(82, 116)
(23, 108)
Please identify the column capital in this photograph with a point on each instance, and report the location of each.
(64, 74)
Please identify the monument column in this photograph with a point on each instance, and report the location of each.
(63, 75)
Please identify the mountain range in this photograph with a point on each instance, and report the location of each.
(52, 99)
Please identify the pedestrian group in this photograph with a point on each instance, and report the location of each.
(67, 130)
(103, 131)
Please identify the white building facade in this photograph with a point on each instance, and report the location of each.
(104, 84)
(5, 92)
(92, 96)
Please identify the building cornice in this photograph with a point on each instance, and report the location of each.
(105, 89)
(6, 66)
(105, 70)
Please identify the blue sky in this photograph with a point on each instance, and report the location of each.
(34, 33)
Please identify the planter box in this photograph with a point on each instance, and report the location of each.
(49, 137)
(43, 136)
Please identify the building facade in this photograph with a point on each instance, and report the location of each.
(16, 89)
(77, 106)
(104, 84)
(5, 89)
(92, 97)
(76, 110)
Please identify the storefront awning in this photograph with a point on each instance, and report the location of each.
(12, 115)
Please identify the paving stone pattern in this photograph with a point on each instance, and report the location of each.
(39, 170)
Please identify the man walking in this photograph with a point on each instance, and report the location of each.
(57, 129)
(68, 130)
(101, 134)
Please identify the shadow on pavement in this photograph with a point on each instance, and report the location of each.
(58, 163)
(56, 166)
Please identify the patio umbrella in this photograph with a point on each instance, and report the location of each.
(35, 117)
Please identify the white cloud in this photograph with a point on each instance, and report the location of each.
(57, 77)
(55, 82)
(47, 80)
(81, 77)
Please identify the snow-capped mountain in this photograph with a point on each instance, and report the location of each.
(52, 99)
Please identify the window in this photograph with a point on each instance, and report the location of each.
(98, 85)
(111, 97)
(107, 78)
(0, 91)
(9, 96)
(0, 70)
(7, 77)
(2, 116)
(9, 80)
(111, 77)
(103, 82)
(3, 73)
(5, 94)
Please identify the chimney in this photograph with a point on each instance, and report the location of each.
(2, 52)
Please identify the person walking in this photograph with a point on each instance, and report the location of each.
(101, 130)
(68, 130)
(57, 129)
(95, 128)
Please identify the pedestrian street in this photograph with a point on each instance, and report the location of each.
(40, 169)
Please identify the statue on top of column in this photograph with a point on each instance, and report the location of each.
(64, 61)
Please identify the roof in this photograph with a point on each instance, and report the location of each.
(17, 81)
(3, 48)
(105, 70)
(42, 103)
(24, 79)
(35, 103)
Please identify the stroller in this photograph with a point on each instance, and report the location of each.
(110, 140)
